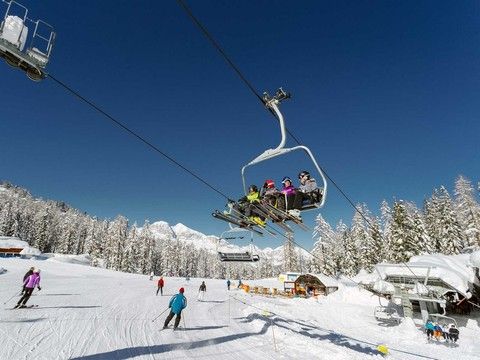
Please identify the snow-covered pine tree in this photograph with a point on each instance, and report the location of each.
(404, 243)
(349, 262)
(325, 238)
(450, 235)
(131, 252)
(115, 242)
(386, 223)
(468, 211)
(146, 245)
(419, 231)
(362, 239)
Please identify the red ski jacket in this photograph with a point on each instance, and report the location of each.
(160, 283)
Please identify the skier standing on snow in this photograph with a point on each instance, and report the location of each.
(151, 275)
(202, 291)
(30, 283)
(27, 274)
(228, 284)
(160, 286)
(177, 303)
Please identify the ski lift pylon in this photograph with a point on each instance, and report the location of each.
(14, 35)
(273, 104)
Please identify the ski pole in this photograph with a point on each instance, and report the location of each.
(184, 326)
(160, 314)
(16, 294)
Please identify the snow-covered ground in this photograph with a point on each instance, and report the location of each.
(91, 313)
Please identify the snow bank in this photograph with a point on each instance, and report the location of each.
(383, 287)
(475, 259)
(83, 259)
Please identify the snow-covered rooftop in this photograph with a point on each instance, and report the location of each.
(454, 270)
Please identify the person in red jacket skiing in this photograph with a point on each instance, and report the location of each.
(160, 286)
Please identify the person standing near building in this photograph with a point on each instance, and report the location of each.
(177, 303)
(30, 283)
(160, 286)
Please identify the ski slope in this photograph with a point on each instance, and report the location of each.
(92, 314)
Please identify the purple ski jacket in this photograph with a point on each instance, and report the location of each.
(288, 190)
(32, 281)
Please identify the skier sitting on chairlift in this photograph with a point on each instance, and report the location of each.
(270, 194)
(286, 201)
(308, 192)
(246, 205)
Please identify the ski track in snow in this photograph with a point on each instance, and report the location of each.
(96, 314)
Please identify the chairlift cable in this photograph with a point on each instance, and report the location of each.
(135, 134)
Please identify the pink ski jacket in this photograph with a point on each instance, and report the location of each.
(32, 281)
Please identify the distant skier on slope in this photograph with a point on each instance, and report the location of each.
(160, 286)
(177, 303)
(228, 284)
(30, 283)
(201, 291)
(27, 274)
(151, 275)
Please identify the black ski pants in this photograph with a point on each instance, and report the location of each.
(170, 317)
(160, 288)
(23, 300)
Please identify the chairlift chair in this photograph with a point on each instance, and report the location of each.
(273, 104)
(247, 256)
(386, 314)
(14, 35)
(437, 318)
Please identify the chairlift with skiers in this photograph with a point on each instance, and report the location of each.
(272, 103)
(261, 210)
(29, 52)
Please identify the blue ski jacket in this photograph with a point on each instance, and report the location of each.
(177, 303)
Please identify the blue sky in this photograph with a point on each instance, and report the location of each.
(385, 94)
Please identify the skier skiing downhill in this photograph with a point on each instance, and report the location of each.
(30, 282)
(27, 274)
(201, 291)
(177, 303)
(160, 284)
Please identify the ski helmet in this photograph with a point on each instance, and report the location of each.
(253, 188)
(285, 179)
(269, 184)
(304, 173)
(36, 271)
(181, 291)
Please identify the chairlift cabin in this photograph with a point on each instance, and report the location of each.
(273, 104)
(20, 46)
(229, 256)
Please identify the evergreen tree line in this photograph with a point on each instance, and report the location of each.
(55, 227)
(444, 225)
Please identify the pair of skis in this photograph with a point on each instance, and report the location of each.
(235, 217)
(24, 307)
(280, 216)
(264, 210)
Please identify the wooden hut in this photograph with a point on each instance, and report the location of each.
(315, 284)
